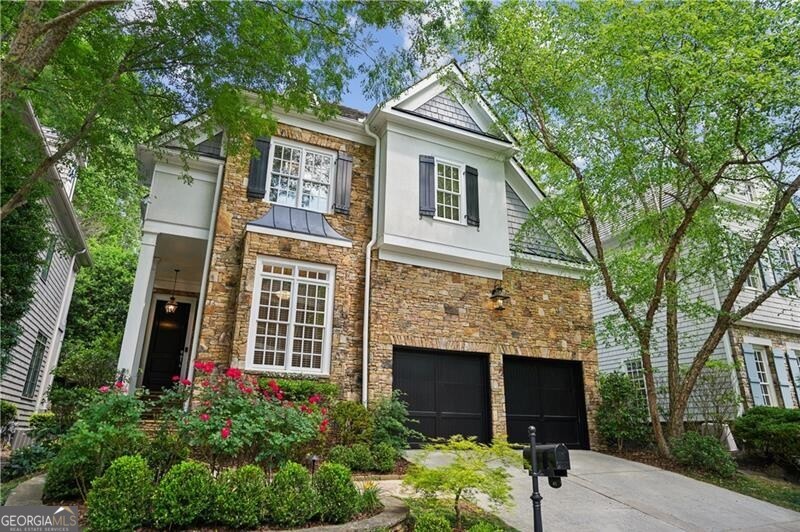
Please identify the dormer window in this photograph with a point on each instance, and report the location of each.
(300, 176)
(449, 191)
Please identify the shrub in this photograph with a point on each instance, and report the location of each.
(473, 468)
(45, 428)
(241, 497)
(622, 415)
(352, 423)
(8, 413)
(298, 390)
(431, 522)
(120, 498)
(370, 498)
(390, 417)
(106, 429)
(703, 452)
(772, 434)
(340, 454)
(165, 449)
(338, 496)
(483, 526)
(361, 458)
(184, 494)
(26, 460)
(384, 457)
(291, 501)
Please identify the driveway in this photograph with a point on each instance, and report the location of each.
(604, 493)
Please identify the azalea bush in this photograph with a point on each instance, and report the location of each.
(235, 421)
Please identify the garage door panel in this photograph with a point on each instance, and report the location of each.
(558, 403)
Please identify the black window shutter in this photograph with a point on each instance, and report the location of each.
(473, 212)
(427, 205)
(257, 179)
(344, 177)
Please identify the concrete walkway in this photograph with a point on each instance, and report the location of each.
(28, 493)
(604, 493)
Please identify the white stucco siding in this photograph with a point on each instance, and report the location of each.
(403, 227)
(179, 207)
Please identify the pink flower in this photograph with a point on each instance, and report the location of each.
(323, 427)
(104, 389)
(186, 382)
(225, 432)
(119, 384)
(205, 367)
(204, 417)
(176, 378)
(234, 373)
(324, 411)
(314, 399)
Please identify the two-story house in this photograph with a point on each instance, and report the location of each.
(763, 347)
(377, 251)
(29, 373)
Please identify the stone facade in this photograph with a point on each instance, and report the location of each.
(223, 336)
(779, 340)
(546, 317)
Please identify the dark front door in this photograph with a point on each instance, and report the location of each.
(448, 393)
(547, 394)
(167, 342)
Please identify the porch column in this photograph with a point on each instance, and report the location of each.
(131, 350)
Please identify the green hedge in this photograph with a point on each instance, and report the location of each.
(772, 434)
(120, 498)
(298, 390)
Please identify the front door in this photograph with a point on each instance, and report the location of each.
(167, 345)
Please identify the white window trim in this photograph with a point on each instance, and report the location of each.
(258, 277)
(274, 141)
(757, 341)
(759, 351)
(462, 203)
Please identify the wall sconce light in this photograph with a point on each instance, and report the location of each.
(499, 297)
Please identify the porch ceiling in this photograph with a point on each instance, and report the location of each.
(185, 254)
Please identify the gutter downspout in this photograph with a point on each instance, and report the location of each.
(201, 300)
(368, 264)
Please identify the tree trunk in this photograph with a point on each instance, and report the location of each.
(675, 423)
(652, 397)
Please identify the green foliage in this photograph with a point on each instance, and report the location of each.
(340, 454)
(705, 453)
(771, 434)
(165, 449)
(391, 421)
(8, 413)
(241, 498)
(301, 389)
(120, 498)
(339, 499)
(431, 522)
(26, 460)
(360, 458)
(106, 429)
(66, 402)
(370, 502)
(184, 495)
(44, 428)
(622, 414)
(483, 526)
(291, 500)
(384, 457)
(352, 423)
(472, 469)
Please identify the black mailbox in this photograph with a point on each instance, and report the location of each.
(551, 460)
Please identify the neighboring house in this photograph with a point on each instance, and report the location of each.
(764, 346)
(29, 373)
(366, 250)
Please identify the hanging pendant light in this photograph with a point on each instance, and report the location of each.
(172, 305)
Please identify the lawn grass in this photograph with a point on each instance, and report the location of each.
(778, 492)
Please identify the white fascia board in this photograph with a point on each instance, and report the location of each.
(461, 135)
(549, 266)
(298, 236)
(179, 158)
(154, 226)
(746, 322)
(436, 138)
(526, 180)
(444, 252)
(406, 257)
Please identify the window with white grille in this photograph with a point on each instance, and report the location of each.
(635, 371)
(449, 191)
(764, 378)
(300, 176)
(290, 328)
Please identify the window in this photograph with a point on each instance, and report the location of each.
(449, 191)
(784, 265)
(755, 280)
(764, 379)
(290, 326)
(635, 371)
(48, 260)
(32, 378)
(300, 176)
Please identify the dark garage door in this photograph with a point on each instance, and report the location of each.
(447, 393)
(547, 394)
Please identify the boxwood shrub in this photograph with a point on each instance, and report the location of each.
(241, 497)
(291, 501)
(703, 452)
(384, 457)
(185, 493)
(120, 498)
(338, 497)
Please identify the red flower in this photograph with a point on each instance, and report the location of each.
(186, 382)
(104, 389)
(205, 367)
(274, 386)
(323, 427)
(324, 411)
(225, 432)
(176, 378)
(304, 408)
(119, 384)
(204, 417)
(314, 399)
(234, 373)
(228, 422)
(279, 395)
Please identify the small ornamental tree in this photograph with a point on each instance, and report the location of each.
(622, 415)
(473, 468)
(234, 421)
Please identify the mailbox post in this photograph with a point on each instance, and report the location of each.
(551, 461)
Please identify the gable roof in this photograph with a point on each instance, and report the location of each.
(444, 107)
